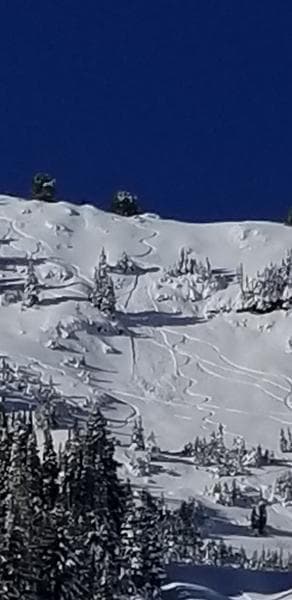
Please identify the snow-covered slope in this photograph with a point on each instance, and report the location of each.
(182, 370)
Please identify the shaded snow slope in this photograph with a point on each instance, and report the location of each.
(183, 371)
(211, 583)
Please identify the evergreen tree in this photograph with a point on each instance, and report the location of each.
(71, 460)
(262, 521)
(103, 267)
(19, 556)
(102, 295)
(63, 557)
(137, 437)
(100, 489)
(254, 560)
(290, 439)
(108, 303)
(31, 295)
(262, 559)
(5, 449)
(150, 572)
(125, 204)
(125, 265)
(43, 187)
(50, 471)
(6, 372)
(288, 220)
(254, 518)
(234, 492)
(243, 558)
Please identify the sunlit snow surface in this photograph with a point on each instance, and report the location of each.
(183, 371)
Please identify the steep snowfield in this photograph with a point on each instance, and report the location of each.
(182, 371)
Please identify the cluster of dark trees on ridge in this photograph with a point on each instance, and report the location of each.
(44, 188)
(123, 202)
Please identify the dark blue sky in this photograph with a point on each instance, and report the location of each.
(188, 103)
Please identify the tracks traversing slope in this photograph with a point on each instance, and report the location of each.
(229, 371)
(272, 384)
(133, 288)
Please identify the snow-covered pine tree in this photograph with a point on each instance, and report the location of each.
(289, 439)
(95, 295)
(31, 287)
(91, 479)
(182, 262)
(103, 267)
(188, 523)
(127, 554)
(102, 295)
(34, 474)
(222, 553)
(50, 470)
(5, 450)
(6, 371)
(254, 560)
(262, 560)
(280, 560)
(254, 518)
(19, 549)
(270, 289)
(243, 558)
(151, 551)
(113, 488)
(100, 489)
(125, 204)
(151, 444)
(108, 303)
(234, 492)
(63, 555)
(262, 521)
(125, 265)
(70, 467)
(137, 437)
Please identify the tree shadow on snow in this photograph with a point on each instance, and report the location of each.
(227, 581)
(228, 275)
(19, 261)
(221, 526)
(59, 299)
(137, 270)
(166, 457)
(7, 241)
(11, 286)
(157, 469)
(151, 318)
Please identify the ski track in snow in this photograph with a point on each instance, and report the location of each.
(144, 240)
(72, 270)
(133, 355)
(252, 377)
(178, 372)
(236, 369)
(133, 288)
